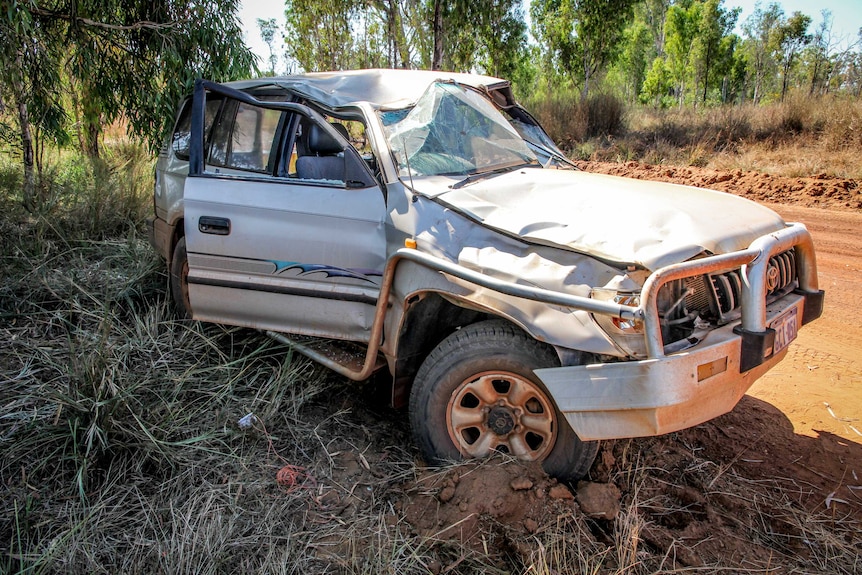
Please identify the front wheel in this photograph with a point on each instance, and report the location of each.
(476, 393)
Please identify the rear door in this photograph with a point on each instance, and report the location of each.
(271, 247)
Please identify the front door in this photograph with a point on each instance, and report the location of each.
(283, 222)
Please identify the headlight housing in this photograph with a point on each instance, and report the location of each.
(628, 334)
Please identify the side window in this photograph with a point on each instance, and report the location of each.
(221, 134)
(254, 132)
(244, 137)
(181, 138)
(316, 155)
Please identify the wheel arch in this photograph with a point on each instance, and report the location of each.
(429, 317)
(178, 233)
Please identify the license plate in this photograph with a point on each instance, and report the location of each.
(785, 327)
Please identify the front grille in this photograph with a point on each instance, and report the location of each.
(785, 274)
(728, 291)
(716, 298)
(727, 287)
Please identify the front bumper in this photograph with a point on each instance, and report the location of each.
(667, 393)
(656, 396)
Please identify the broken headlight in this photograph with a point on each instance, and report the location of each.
(628, 334)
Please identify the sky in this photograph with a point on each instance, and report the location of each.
(846, 14)
(249, 12)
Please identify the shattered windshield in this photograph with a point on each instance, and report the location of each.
(453, 131)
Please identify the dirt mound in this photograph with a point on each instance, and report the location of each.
(461, 501)
(817, 191)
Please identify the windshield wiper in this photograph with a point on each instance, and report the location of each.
(491, 173)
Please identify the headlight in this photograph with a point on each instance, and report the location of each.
(628, 334)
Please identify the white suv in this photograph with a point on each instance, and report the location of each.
(424, 223)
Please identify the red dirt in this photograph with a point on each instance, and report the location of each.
(817, 191)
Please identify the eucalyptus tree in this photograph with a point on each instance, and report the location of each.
(130, 60)
(489, 37)
(268, 29)
(345, 34)
(320, 32)
(682, 28)
(792, 36)
(715, 43)
(760, 44)
(29, 78)
(581, 37)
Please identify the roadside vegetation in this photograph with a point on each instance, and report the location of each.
(133, 442)
(800, 137)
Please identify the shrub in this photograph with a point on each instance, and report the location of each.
(570, 121)
(605, 115)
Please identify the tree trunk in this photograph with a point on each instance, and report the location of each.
(30, 200)
(784, 80)
(392, 35)
(91, 116)
(706, 65)
(437, 56)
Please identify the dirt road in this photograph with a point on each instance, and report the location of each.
(819, 385)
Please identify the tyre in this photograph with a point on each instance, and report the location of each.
(179, 273)
(476, 393)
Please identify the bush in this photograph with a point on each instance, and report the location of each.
(605, 115)
(570, 121)
(82, 198)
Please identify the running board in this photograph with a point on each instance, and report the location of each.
(343, 357)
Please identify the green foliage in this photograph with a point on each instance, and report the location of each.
(100, 61)
(632, 65)
(715, 46)
(682, 27)
(761, 29)
(792, 36)
(487, 37)
(324, 26)
(657, 84)
(581, 37)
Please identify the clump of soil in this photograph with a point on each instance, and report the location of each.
(816, 191)
(460, 501)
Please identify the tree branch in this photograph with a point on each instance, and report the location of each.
(142, 25)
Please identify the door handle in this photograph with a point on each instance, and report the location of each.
(216, 226)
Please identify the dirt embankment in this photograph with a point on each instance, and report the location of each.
(817, 191)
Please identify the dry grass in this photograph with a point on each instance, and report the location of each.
(800, 137)
(121, 452)
(569, 120)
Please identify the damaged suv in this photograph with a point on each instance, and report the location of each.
(423, 223)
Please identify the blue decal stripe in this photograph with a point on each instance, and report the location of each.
(330, 271)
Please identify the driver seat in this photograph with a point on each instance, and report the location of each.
(325, 159)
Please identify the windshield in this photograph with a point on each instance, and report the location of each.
(453, 131)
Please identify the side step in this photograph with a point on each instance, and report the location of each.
(352, 360)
